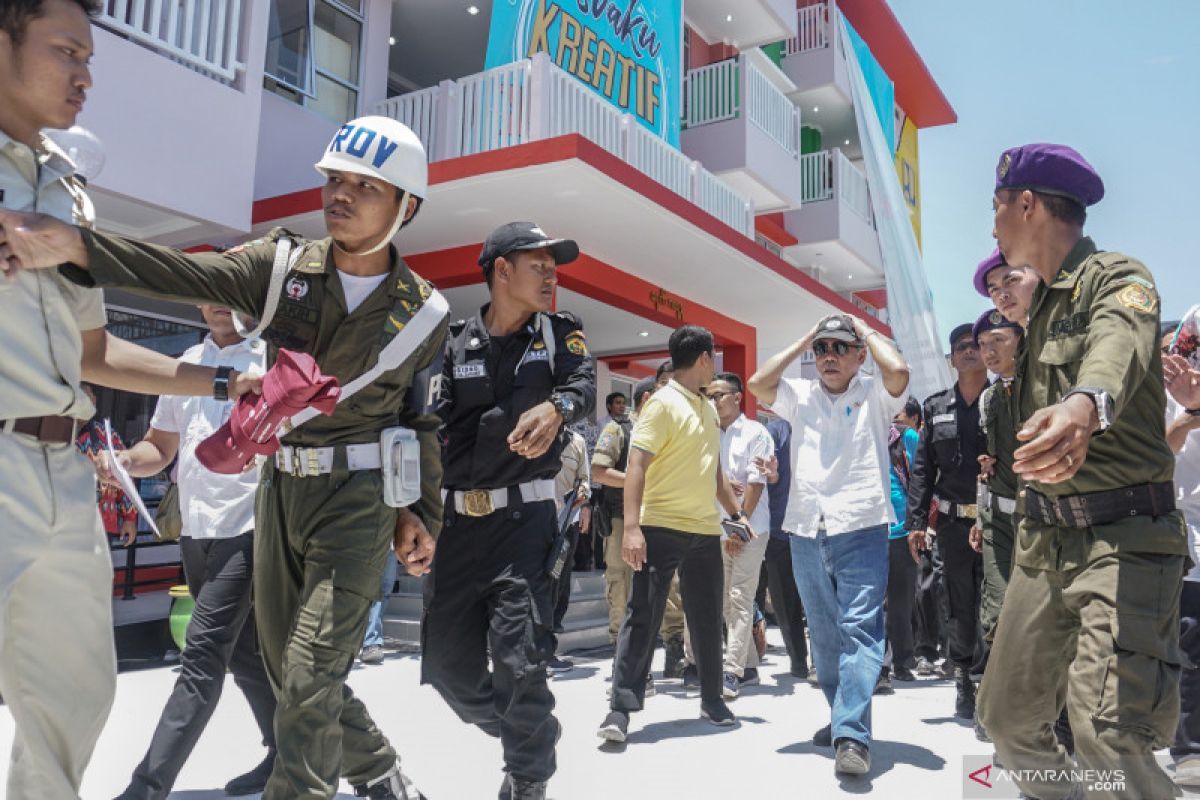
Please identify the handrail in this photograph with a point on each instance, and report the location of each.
(812, 29)
(202, 34)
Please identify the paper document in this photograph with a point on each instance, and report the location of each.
(124, 479)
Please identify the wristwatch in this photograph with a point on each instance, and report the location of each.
(1192, 412)
(738, 516)
(221, 383)
(564, 405)
(1103, 401)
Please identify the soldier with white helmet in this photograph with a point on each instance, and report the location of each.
(330, 502)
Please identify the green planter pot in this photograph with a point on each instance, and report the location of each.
(182, 605)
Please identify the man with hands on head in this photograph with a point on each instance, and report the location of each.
(838, 513)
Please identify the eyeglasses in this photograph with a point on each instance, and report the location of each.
(716, 396)
(841, 348)
(963, 347)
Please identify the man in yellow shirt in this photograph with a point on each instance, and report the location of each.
(672, 522)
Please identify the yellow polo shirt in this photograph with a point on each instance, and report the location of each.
(681, 430)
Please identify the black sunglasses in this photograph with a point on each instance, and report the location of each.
(963, 347)
(841, 348)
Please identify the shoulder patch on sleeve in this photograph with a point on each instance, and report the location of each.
(577, 343)
(1138, 298)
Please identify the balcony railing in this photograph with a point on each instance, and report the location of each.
(201, 34)
(812, 30)
(713, 93)
(828, 173)
(533, 99)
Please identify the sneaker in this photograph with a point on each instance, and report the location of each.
(371, 654)
(903, 674)
(517, 789)
(945, 670)
(729, 686)
(800, 672)
(392, 785)
(924, 667)
(254, 781)
(717, 713)
(883, 684)
(691, 677)
(823, 737)
(812, 677)
(556, 665)
(1187, 770)
(749, 677)
(853, 758)
(615, 727)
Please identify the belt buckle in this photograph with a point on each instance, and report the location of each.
(478, 503)
(970, 512)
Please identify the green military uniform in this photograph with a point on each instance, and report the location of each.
(1098, 604)
(996, 518)
(618, 576)
(320, 541)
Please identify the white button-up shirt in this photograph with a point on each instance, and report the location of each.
(839, 454)
(213, 506)
(742, 442)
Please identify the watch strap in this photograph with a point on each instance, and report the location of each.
(221, 383)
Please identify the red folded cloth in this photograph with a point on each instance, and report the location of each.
(293, 383)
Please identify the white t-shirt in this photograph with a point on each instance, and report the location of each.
(358, 288)
(1187, 487)
(839, 454)
(741, 443)
(213, 506)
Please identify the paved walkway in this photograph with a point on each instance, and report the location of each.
(671, 753)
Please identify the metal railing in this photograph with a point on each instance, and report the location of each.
(816, 176)
(125, 575)
(812, 30)
(202, 34)
(827, 173)
(718, 92)
(533, 99)
(852, 187)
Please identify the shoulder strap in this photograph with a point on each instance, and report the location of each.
(403, 344)
(284, 260)
(548, 338)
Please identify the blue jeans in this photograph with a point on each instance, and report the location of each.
(375, 621)
(842, 581)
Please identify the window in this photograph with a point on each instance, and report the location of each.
(314, 54)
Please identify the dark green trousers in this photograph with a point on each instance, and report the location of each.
(320, 548)
(997, 566)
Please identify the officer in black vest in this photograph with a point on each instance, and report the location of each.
(514, 375)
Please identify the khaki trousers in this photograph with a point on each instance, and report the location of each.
(57, 661)
(618, 578)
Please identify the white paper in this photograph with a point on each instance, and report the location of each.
(124, 479)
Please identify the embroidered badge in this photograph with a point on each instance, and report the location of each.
(296, 288)
(576, 343)
(396, 324)
(1134, 279)
(424, 290)
(995, 318)
(474, 369)
(1137, 298)
(1004, 166)
(1078, 290)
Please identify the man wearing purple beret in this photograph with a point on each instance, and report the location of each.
(1092, 613)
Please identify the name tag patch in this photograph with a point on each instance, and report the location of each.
(535, 355)
(941, 418)
(474, 369)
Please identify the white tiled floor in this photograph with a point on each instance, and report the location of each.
(671, 752)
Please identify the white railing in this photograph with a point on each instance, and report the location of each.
(203, 34)
(533, 99)
(770, 109)
(418, 110)
(710, 93)
(816, 176)
(852, 187)
(812, 30)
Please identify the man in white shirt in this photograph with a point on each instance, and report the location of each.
(839, 511)
(742, 441)
(217, 547)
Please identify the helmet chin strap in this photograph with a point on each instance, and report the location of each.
(391, 234)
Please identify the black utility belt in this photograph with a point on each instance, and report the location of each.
(1101, 508)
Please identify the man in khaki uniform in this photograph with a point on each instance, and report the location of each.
(323, 529)
(1092, 612)
(57, 663)
(608, 469)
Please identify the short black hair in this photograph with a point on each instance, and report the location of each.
(663, 368)
(1064, 209)
(608, 401)
(687, 344)
(644, 389)
(732, 379)
(912, 409)
(15, 15)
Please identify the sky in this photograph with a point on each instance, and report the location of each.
(1118, 81)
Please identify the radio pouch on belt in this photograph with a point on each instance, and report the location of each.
(400, 453)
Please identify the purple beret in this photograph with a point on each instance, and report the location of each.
(1049, 169)
(990, 320)
(996, 259)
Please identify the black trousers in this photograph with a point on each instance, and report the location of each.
(963, 574)
(220, 637)
(702, 588)
(930, 613)
(901, 595)
(489, 592)
(1187, 735)
(563, 599)
(785, 599)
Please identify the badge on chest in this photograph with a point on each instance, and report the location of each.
(472, 369)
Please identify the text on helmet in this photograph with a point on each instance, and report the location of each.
(357, 141)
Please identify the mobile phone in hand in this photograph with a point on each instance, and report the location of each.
(736, 530)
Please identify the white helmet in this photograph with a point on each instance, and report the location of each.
(383, 148)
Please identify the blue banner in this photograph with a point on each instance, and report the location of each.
(879, 84)
(627, 51)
